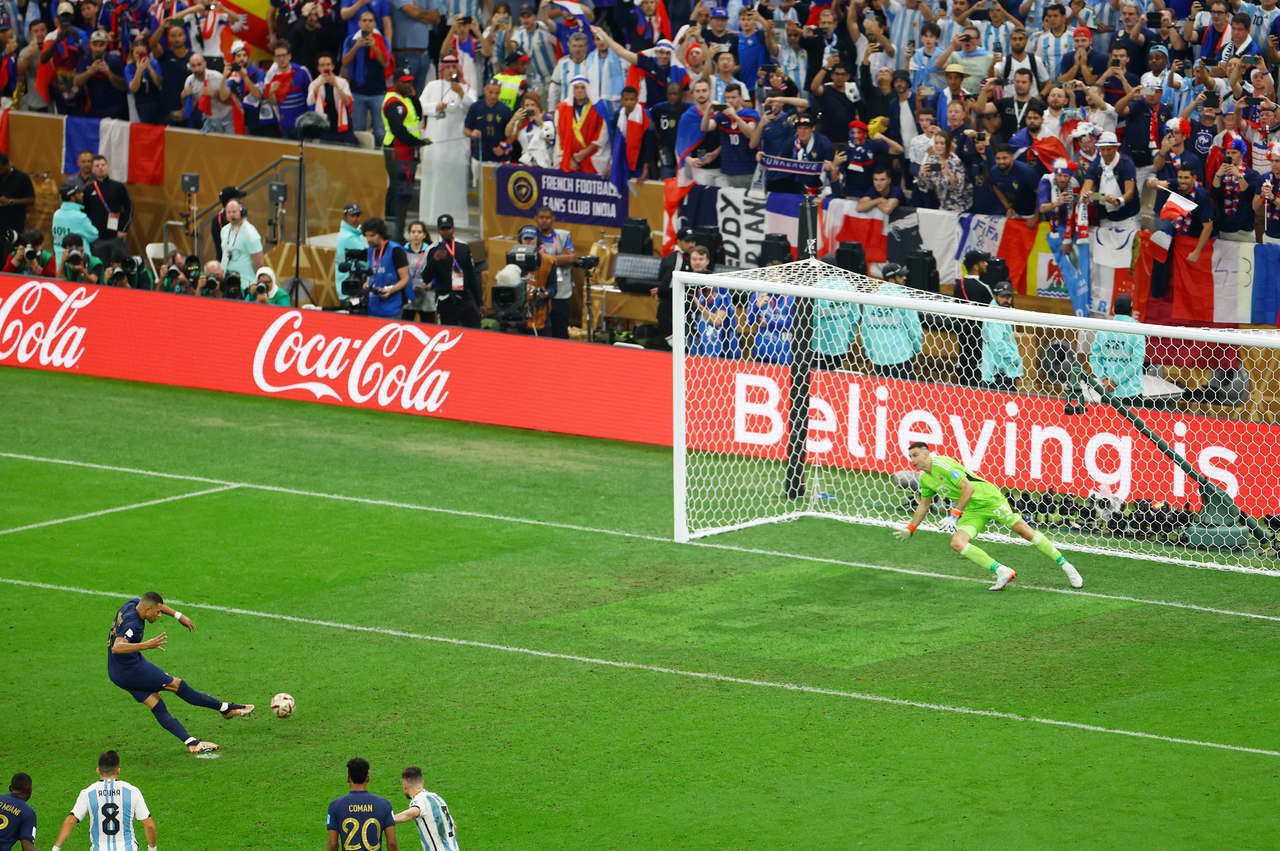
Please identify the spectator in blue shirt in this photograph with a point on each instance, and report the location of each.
(100, 73)
(146, 83)
(1232, 188)
(1014, 183)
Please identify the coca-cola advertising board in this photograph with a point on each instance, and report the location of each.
(455, 373)
(865, 423)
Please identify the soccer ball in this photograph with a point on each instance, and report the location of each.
(282, 705)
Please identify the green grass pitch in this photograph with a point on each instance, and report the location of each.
(418, 595)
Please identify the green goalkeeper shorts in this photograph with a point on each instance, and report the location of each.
(976, 517)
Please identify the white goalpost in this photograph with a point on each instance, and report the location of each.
(797, 389)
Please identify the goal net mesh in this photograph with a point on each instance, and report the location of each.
(1110, 436)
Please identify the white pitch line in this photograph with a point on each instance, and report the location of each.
(571, 527)
(660, 669)
(115, 510)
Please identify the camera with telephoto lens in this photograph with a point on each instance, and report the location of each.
(231, 286)
(356, 267)
(123, 272)
(75, 257)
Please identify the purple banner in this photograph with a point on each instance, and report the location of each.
(574, 197)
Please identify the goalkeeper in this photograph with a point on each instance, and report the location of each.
(975, 503)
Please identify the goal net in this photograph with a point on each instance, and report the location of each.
(799, 387)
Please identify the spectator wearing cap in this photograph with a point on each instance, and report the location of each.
(285, 86)
(676, 260)
(512, 79)
(144, 80)
(402, 117)
(169, 47)
(1232, 187)
(1145, 118)
(100, 74)
(70, 218)
(1134, 37)
(457, 286)
(207, 98)
(953, 93)
(716, 33)
(366, 62)
(1083, 63)
(1001, 365)
(806, 144)
(1267, 199)
(534, 40)
(1115, 178)
(1176, 91)
(1085, 138)
(446, 103)
(62, 51)
(486, 123)
(349, 239)
(572, 65)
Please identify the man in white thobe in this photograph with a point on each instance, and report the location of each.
(446, 162)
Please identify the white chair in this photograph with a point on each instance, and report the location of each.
(155, 254)
(364, 137)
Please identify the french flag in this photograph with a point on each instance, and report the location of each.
(841, 222)
(135, 152)
(1177, 207)
(688, 136)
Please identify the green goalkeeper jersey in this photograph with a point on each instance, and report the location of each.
(945, 476)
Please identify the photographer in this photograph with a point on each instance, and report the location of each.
(28, 258)
(78, 266)
(241, 242)
(214, 283)
(558, 245)
(174, 274)
(458, 293)
(532, 132)
(265, 291)
(388, 271)
(349, 238)
(128, 273)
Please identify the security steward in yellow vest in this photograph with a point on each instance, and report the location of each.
(513, 81)
(403, 120)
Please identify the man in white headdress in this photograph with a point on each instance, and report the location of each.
(446, 161)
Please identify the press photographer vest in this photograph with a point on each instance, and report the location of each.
(412, 121)
(382, 273)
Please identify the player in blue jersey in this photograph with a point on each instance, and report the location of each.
(17, 819)
(131, 672)
(358, 819)
(428, 812)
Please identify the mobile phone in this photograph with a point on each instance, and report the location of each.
(1096, 197)
(911, 45)
(1154, 20)
(1115, 63)
(465, 19)
(1251, 59)
(1148, 90)
(1212, 100)
(719, 107)
(934, 167)
(1252, 101)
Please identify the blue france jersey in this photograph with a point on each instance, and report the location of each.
(17, 822)
(129, 626)
(359, 819)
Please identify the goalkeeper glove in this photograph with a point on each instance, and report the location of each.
(904, 534)
(949, 522)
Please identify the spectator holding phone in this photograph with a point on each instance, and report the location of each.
(1241, 43)
(944, 175)
(1232, 188)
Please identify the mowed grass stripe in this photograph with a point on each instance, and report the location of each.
(60, 520)
(571, 527)
(658, 669)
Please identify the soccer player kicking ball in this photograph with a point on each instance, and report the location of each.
(145, 681)
(976, 502)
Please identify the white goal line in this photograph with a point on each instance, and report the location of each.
(679, 672)
(571, 527)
